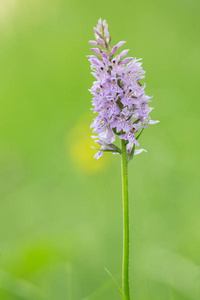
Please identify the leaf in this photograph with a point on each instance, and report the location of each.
(109, 150)
(130, 157)
(19, 288)
(119, 103)
(104, 150)
(139, 134)
(118, 133)
(115, 148)
(115, 282)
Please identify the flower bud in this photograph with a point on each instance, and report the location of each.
(114, 50)
(96, 51)
(101, 42)
(93, 43)
(123, 53)
(120, 44)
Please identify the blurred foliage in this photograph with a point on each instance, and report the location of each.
(60, 210)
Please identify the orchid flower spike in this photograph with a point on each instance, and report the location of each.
(119, 98)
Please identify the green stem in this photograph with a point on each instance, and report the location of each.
(125, 261)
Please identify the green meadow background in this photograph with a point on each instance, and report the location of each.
(60, 210)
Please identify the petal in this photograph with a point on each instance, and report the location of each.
(93, 43)
(139, 151)
(98, 154)
(123, 53)
(129, 147)
(96, 51)
(120, 44)
(153, 122)
(126, 60)
(114, 50)
(101, 42)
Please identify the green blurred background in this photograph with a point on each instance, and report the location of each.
(60, 210)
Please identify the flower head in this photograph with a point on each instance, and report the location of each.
(119, 98)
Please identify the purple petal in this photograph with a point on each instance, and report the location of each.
(126, 60)
(101, 42)
(114, 50)
(96, 51)
(97, 31)
(98, 154)
(93, 43)
(120, 44)
(106, 33)
(123, 53)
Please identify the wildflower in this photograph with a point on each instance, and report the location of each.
(123, 110)
(119, 98)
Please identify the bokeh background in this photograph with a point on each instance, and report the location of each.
(60, 210)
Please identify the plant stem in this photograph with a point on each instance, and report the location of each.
(125, 261)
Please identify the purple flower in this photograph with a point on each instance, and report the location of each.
(121, 123)
(130, 137)
(103, 142)
(119, 98)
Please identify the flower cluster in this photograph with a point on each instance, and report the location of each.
(118, 96)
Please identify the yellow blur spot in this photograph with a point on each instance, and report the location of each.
(79, 144)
